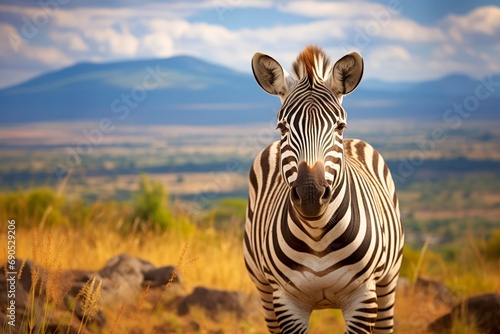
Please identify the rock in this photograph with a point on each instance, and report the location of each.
(99, 319)
(435, 289)
(75, 297)
(160, 276)
(166, 296)
(22, 285)
(124, 263)
(56, 329)
(212, 302)
(21, 294)
(145, 265)
(122, 277)
(27, 273)
(73, 280)
(77, 275)
(482, 310)
(426, 289)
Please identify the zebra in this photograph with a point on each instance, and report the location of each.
(323, 226)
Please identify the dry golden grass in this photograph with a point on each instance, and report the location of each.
(213, 259)
(209, 258)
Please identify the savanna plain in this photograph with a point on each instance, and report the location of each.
(177, 195)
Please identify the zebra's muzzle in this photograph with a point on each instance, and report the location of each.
(310, 193)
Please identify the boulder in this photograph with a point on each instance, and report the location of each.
(160, 276)
(435, 289)
(99, 319)
(27, 273)
(212, 302)
(20, 293)
(482, 310)
(56, 328)
(23, 285)
(427, 289)
(76, 280)
(125, 263)
(72, 282)
(122, 277)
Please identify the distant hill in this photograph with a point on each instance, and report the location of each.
(187, 90)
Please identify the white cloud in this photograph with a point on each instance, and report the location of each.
(389, 53)
(72, 40)
(386, 62)
(52, 56)
(304, 33)
(19, 52)
(9, 39)
(483, 20)
(405, 30)
(340, 9)
(114, 41)
(395, 45)
(158, 44)
(444, 50)
(472, 41)
(476, 35)
(21, 60)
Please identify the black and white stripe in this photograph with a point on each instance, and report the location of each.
(347, 257)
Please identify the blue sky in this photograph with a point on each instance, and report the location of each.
(400, 40)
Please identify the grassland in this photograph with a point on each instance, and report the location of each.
(210, 257)
(93, 215)
(207, 250)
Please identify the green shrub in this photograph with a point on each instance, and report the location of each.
(227, 213)
(492, 249)
(151, 205)
(39, 206)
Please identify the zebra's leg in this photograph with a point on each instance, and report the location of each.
(292, 313)
(386, 296)
(266, 297)
(360, 309)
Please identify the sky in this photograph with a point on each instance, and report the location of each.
(400, 40)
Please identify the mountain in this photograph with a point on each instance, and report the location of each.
(175, 90)
(187, 90)
(441, 100)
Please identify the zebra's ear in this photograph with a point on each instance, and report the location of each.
(346, 74)
(270, 75)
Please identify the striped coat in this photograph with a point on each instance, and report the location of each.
(323, 227)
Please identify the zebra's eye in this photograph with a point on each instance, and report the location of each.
(341, 127)
(282, 127)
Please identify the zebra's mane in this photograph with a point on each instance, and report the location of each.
(312, 63)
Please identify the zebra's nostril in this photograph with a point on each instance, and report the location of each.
(294, 195)
(326, 195)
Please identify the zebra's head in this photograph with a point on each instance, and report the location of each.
(311, 120)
